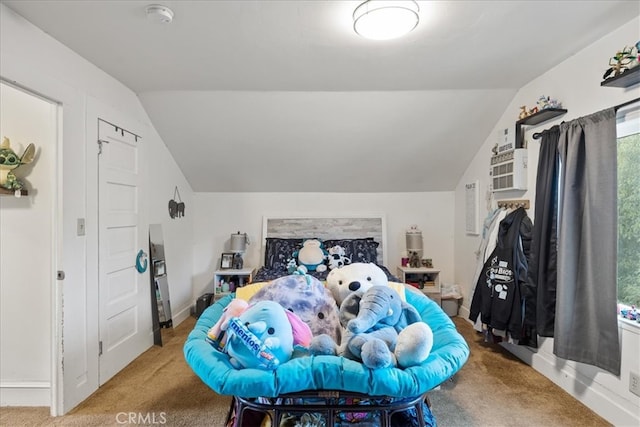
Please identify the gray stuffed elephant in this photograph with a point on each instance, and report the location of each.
(374, 322)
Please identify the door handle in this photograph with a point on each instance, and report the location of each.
(141, 261)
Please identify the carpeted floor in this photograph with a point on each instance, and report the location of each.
(493, 389)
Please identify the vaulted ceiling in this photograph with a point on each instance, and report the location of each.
(283, 96)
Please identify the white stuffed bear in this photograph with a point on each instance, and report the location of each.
(356, 277)
(312, 255)
(337, 257)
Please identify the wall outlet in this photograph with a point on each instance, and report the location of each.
(634, 383)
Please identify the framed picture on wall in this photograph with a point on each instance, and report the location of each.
(226, 260)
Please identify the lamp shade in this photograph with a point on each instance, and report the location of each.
(239, 242)
(384, 20)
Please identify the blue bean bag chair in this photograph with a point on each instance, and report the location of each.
(448, 355)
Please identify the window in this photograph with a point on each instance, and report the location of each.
(628, 129)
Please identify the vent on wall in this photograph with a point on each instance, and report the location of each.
(509, 170)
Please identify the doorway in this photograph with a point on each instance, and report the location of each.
(28, 251)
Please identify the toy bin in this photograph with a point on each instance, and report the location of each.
(451, 305)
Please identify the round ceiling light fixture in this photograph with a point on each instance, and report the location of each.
(159, 13)
(384, 20)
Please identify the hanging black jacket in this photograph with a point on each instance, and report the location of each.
(498, 295)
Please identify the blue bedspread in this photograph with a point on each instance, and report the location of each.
(448, 355)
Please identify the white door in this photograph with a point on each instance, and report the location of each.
(125, 328)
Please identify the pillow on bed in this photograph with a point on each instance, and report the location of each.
(247, 291)
(277, 251)
(358, 250)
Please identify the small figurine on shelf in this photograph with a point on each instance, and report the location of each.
(545, 102)
(9, 161)
(622, 61)
(523, 112)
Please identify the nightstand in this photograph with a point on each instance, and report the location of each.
(235, 277)
(423, 278)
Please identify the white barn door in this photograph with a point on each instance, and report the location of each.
(125, 328)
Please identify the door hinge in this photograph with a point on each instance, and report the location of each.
(100, 348)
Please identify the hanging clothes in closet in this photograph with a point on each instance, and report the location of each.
(497, 297)
(486, 247)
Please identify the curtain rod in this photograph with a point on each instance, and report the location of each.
(538, 135)
(624, 104)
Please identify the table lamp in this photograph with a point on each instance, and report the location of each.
(414, 241)
(239, 242)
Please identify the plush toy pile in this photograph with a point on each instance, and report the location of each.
(358, 315)
(380, 330)
(313, 256)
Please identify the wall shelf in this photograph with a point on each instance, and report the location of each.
(5, 192)
(534, 119)
(628, 78)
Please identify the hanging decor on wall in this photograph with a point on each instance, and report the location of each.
(9, 161)
(471, 206)
(176, 205)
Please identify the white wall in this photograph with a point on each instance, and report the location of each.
(576, 83)
(218, 215)
(34, 60)
(164, 177)
(26, 272)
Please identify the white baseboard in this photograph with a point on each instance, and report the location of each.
(463, 312)
(25, 393)
(181, 315)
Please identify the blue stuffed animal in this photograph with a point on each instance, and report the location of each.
(312, 255)
(381, 330)
(263, 336)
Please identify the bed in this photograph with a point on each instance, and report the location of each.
(336, 390)
(362, 237)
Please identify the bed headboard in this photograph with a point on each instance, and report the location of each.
(328, 227)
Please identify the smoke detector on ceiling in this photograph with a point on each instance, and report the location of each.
(159, 13)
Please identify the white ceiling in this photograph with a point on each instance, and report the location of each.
(283, 96)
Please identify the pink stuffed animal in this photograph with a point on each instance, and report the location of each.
(217, 332)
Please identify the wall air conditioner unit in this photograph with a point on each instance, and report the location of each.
(509, 170)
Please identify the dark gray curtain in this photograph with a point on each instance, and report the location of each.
(586, 327)
(540, 291)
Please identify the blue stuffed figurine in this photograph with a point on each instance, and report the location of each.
(264, 336)
(312, 255)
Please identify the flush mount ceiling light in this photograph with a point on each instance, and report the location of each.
(159, 13)
(384, 20)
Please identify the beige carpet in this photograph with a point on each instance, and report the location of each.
(158, 388)
(493, 389)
